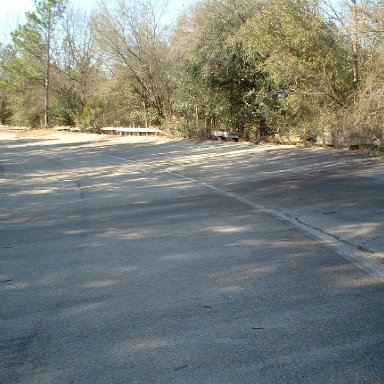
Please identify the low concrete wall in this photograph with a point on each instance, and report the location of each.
(326, 139)
(282, 139)
(352, 140)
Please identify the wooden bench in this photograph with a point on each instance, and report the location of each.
(223, 135)
(132, 131)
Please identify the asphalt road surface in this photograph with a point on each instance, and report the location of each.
(145, 260)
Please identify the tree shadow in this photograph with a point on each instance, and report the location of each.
(132, 274)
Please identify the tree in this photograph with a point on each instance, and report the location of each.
(77, 67)
(4, 114)
(361, 24)
(36, 41)
(131, 34)
(307, 62)
(365, 114)
(21, 86)
(215, 77)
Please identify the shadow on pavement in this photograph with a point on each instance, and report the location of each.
(112, 271)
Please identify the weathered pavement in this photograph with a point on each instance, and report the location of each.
(141, 260)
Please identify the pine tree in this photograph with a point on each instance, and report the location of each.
(36, 40)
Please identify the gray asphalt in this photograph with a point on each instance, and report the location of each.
(143, 260)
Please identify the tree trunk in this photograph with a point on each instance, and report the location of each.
(46, 103)
(47, 70)
(355, 47)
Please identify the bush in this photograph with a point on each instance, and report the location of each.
(91, 118)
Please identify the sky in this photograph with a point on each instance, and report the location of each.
(12, 12)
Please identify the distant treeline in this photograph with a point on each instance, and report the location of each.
(251, 66)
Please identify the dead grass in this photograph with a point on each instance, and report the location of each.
(34, 132)
(29, 132)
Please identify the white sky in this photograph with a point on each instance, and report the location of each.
(12, 12)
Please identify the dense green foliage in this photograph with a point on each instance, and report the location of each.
(252, 66)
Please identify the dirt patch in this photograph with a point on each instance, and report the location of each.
(22, 132)
(27, 131)
(34, 132)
